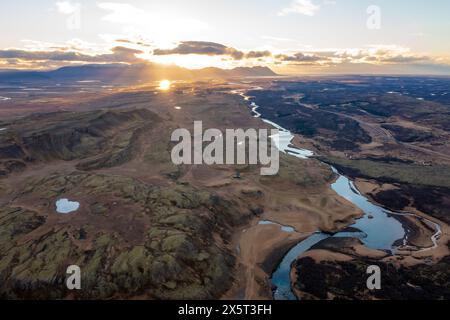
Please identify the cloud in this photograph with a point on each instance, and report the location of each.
(376, 55)
(161, 27)
(134, 42)
(122, 54)
(123, 13)
(198, 47)
(400, 59)
(303, 58)
(382, 54)
(67, 7)
(258, 54)
(373, 57)
(76, 45)
(305, 7)
(118, 54)
(210, 49)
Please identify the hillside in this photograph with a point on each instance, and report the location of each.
(130, 74)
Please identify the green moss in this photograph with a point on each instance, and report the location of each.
(173, 260)
(173, 243)
(98, 208)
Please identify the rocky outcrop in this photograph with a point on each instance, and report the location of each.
(129, 239)
(98, 138)
(346, 278)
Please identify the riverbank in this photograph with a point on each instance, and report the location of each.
(261, 247)
(381, 229)
(336, 269)
(306, 204)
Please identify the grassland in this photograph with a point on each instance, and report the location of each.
(436, 175)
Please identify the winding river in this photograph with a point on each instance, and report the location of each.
(377, 229)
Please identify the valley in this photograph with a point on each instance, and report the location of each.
(145, 228)
(368, 136)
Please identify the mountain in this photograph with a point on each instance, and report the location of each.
(127, 74)
(18, 75)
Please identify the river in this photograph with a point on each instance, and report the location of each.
(378, 229)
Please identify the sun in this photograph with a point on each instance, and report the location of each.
(164, 85)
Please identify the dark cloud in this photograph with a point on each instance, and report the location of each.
(258, 54)
(404, 59)
(194, 47)
(388, 55)
(122, 54)
(60, 56)
(201, 47)
(42, 55)
(119, 54)
(361, 56)
(124, 41)
(211, 49)
(302, 58)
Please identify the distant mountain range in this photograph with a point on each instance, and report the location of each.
(122, 73)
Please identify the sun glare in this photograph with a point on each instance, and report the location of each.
(193, 61)
(164, 85)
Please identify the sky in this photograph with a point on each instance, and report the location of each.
(290, 36)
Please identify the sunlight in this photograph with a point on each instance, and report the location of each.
(193, 61)
(164, 85)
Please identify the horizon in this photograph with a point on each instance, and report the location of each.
(224, 152)
(277, 75)
(342, 37)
